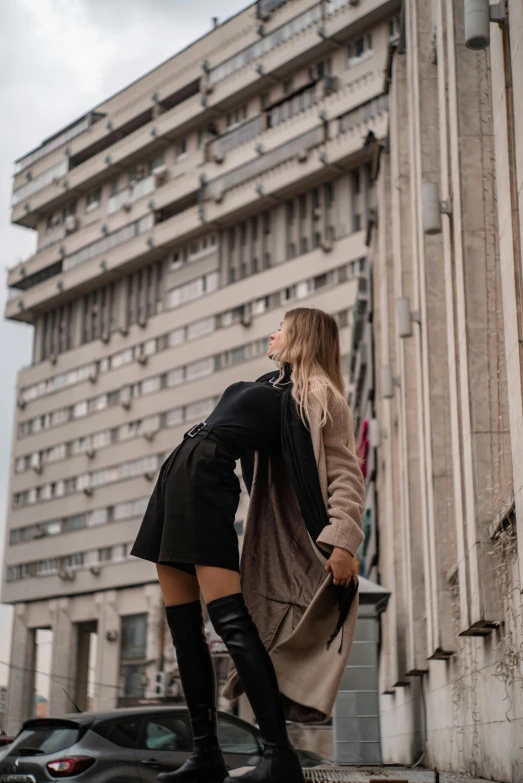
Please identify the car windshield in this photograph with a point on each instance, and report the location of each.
(45, 738)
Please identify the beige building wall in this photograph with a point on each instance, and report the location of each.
(177, 222)
(449, 475)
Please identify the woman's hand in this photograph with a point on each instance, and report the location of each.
(343, 566)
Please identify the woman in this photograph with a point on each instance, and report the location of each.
(292, 430)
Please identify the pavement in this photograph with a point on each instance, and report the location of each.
(350, 774)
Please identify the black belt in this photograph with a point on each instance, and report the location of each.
(195, 430)
(203, 430)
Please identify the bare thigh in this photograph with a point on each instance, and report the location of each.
(217, 582)
(178, 587)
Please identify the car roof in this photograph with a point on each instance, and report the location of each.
(119, 712)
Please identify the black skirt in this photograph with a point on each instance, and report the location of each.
(190, 516)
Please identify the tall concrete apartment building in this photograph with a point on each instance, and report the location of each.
(176, 222)
(437, 377)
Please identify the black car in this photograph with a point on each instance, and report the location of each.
(121, 746)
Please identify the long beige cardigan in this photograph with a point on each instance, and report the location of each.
(283, 575)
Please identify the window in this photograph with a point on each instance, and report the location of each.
(150, 385)
(180, 149)
(236, 116)
(235, 738)
(176, 337)
(200, 368)
(239, 354)
(174, 377)
(93, 199)
(133, 636)
(167, 732)
(156, 163)
(359, 49)
(201, 327)
(174, 417)
(123, 732)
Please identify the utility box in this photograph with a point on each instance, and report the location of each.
(356, 716)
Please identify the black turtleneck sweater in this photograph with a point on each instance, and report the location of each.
(248, 416)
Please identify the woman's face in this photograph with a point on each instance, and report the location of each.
(276, 339)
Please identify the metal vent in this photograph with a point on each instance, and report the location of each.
(328, 775)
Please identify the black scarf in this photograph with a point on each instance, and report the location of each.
(300, 461)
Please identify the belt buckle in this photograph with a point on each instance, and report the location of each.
(195, 430)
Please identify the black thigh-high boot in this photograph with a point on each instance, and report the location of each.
(233, 622)
(198, 678)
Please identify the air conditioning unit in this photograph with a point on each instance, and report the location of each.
(326, 245)
(303, 155)
(317, 213)
(21, 402)
(218, 156)
(246, 320)
(160, 177)
(88, 491)
(56, 220)
(71, 224)
(90, 452)
(95, 570)
(149, 475)
(142, 359)
(330, 84)
(125, 397)
(140, 171)
(209, 87)
(127, 204)
(150, 435)
(66, 575)
(218, 196)
(142, 320)
(53, 358)
(37, 466)
(40, 532)
(93, 374)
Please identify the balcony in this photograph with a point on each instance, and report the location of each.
(103, 165)
(289, 171)
(342, 20)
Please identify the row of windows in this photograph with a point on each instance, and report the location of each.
(178, 375)
(190, 372)
(120, 512)
(90, 444)
(149, 464)
(143, 466)
(56, 565)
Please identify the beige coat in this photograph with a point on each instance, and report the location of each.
(283, 575)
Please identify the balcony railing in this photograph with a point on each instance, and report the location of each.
(266, 44)
(55, 143)
(131, 194)
(235, 138)
(41, 182)
(55, 235)
(257, 166)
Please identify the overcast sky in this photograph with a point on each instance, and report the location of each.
(59, 58)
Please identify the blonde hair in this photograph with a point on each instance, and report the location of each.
(311, 345)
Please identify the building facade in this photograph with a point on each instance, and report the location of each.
(176, 223)
(437, 380)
